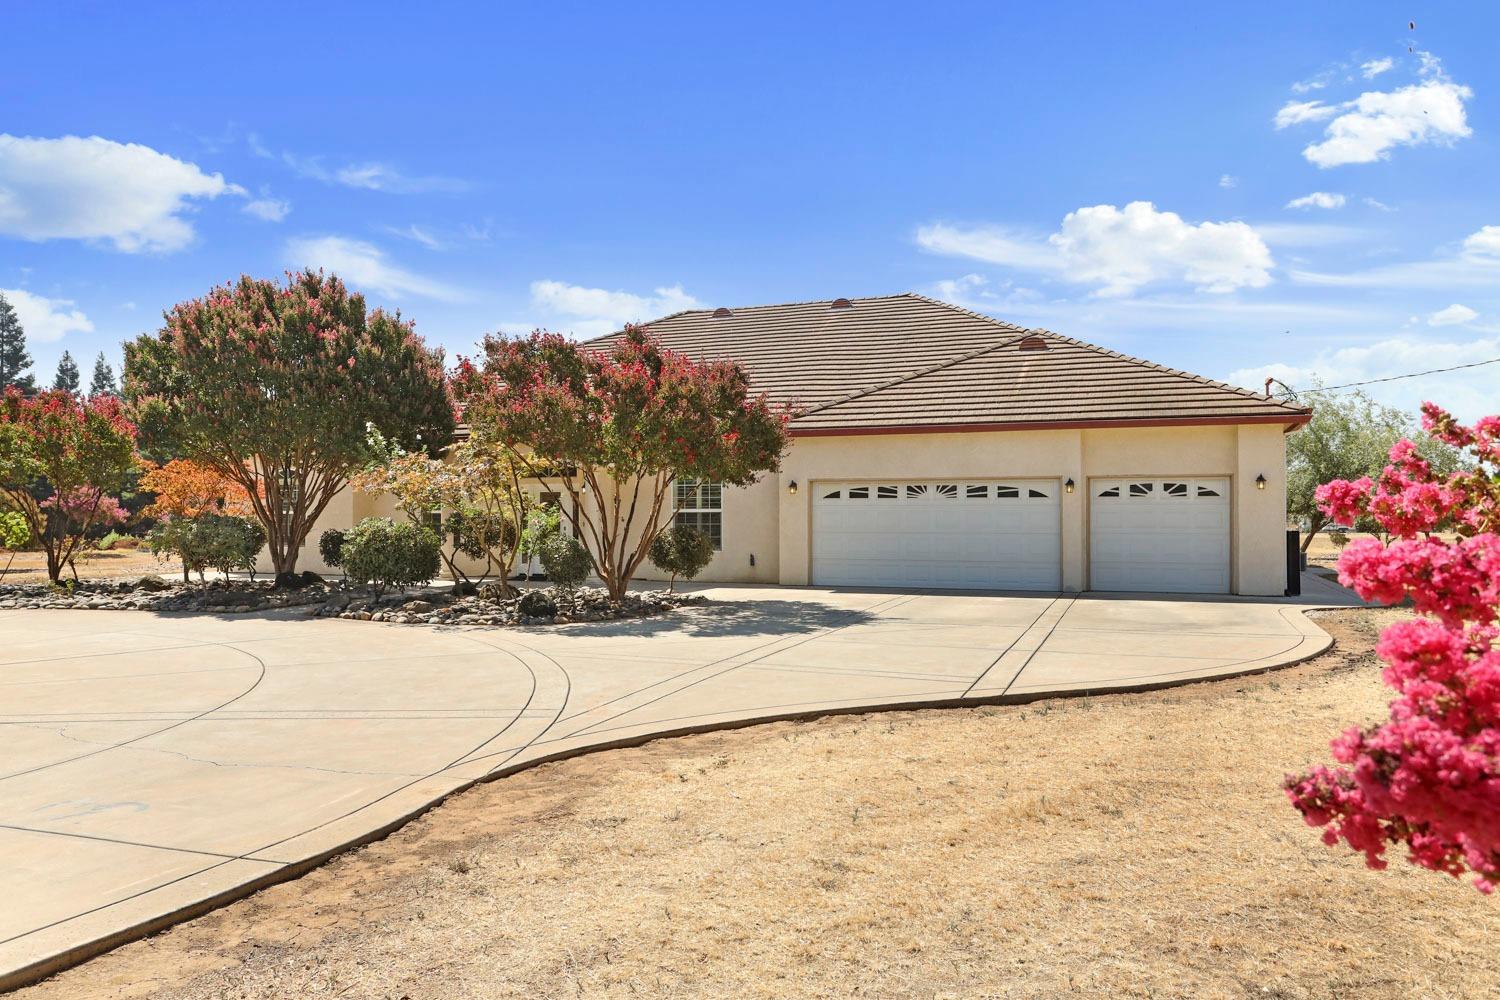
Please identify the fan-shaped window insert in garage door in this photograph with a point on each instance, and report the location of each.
(1159, 535)
(970, 535)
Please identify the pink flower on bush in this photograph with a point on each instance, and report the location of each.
(1429, 777)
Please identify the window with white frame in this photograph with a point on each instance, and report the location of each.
(700, 505)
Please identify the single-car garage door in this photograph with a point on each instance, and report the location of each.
(1166, 535)
(976, 535)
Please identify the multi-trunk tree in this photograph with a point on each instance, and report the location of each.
(1428, 778)
(276, 386)
(61, 460)
(613, 426)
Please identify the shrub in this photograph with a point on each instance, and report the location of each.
(15, 535)
(681, 551)
(110, 541)
(216, 541)
(565, 561)
(1338, 538)
(331, 547)
(385, 553)
(541, 523)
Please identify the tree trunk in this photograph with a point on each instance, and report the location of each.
(1315, 525)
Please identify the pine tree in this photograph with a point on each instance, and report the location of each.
(67, 374)
(103, 382)
(14, 359)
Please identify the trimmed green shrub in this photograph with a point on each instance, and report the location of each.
(331, 547)
(385, 553)
(565, 561)
(217, 541)
(681, 551)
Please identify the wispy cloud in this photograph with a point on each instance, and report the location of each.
(1374, 67)
(367, 176)
(366, 267)
(1318, 199)
(590, 312)
(1477, 264)
(1455, 315)
(268, 209)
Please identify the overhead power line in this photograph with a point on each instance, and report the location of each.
(1389, 378)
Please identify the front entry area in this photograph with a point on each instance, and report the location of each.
(960, 534)
(1159, 535)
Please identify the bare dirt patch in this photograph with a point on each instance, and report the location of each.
(31, 567)
(1130, 845)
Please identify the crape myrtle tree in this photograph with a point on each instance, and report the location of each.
(274, 385)
(61, 459)
(615, 424)
(1428, 778)
(1348, 438)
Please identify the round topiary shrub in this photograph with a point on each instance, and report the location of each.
(681, 551)
(384, 553)
(331, 547)
(565, 561)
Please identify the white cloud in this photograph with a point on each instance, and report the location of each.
(597, 311)
(1370, 126)
(1370, 70)
(1297, 112)
(416, 234)
(44, 319)
(1484, 243)
(96, 189)
(1453, 315)
(371, 176)
(1227, 181)
(1469, 393)
(1318, 199)
(1378, 204)
(365, 267)
(268, 209)
(1120, 249)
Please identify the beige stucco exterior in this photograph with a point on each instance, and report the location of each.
(767, 528)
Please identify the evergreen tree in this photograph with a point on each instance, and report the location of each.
(67, 374)
(103, 382)
(14, 359)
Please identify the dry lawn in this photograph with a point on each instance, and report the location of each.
(31, 567)
(1122, 846)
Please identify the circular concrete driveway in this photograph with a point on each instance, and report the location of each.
(154, 766)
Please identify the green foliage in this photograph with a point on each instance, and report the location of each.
(1339, 539)
(331, 547)
(1349, 437)
(681, 551)
(15, 533)
(67, 374)
(385, 553)
(277, 387)
(14, 358)
(209, 541)
(541, 524)
(479, 534)
(103, 383)
(565, 561)
(110, 540)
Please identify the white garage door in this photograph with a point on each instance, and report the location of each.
(994, 535)
(1167, 535)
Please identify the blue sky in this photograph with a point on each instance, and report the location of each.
(1293, 189)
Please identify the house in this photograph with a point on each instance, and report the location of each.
(937, 447)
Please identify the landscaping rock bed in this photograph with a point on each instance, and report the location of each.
(492, 606)
(152, 593)
(529, 607)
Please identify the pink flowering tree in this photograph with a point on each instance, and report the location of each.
(275, 387)
(61, 459)
(1428, 778)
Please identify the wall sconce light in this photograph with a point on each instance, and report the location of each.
(1068, 486)
(791, 487)
(1260, 482)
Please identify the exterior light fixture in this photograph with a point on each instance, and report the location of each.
(1068, 486)
(791, 487)
(1260, 482)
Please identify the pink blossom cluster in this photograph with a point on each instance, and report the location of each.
(1429, 777)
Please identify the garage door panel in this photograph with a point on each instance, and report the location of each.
(938, 533)
(1165, 535)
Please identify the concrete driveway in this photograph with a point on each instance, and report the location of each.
(154, 766)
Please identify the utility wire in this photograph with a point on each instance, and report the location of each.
(1390, 378)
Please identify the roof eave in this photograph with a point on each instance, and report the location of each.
(1289, 422)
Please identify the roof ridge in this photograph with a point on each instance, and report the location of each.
(993, 320)
(1021, 334)
(764, 305)
(1154, 366)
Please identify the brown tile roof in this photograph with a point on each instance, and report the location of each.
(906, 362)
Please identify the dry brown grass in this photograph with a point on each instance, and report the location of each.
(31, 567)
(1134, 845)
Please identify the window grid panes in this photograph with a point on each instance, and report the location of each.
(700, 506)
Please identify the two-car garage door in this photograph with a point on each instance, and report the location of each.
(1164, 535)
(974, 534)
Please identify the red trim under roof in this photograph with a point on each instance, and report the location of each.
(1292, 422)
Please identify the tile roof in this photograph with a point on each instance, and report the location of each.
(907, 361)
